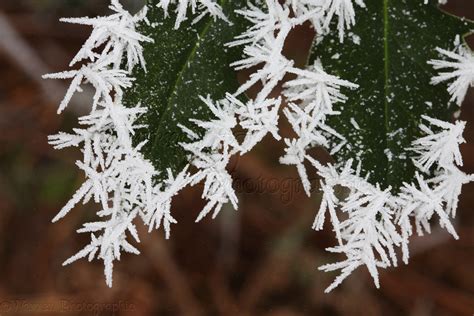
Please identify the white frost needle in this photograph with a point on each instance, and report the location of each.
(457, 67)
(203, 7)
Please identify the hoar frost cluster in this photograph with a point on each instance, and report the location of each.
(118, 178)
(370, 223)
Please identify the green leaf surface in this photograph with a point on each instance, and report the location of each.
(182, 65)
(386, 54)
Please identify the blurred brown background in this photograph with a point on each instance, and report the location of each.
(261, 260)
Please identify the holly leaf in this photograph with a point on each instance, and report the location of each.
(182, 65)
(386, 54)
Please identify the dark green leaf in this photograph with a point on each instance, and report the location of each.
(182, 65)
(397, 38)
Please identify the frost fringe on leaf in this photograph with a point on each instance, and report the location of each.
(376, 222)
(117, 176)
(370, 222)
(368, 233)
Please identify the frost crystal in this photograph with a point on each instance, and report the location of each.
(375, 222)
(440, 148)
(344, 10)
(315, 92)
(211, 153)
(438, 195)
(366, 235)
(204, 7)
(458, 69)
(118, 178)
